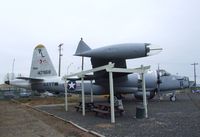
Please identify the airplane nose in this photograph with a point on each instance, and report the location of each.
(7, 82)
(184, 81)
(152, 49)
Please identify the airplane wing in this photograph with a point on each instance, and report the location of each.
(97, 62)
(87, 77)
(31, 79)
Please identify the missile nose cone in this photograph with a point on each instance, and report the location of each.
(153, 49)
(7, 82)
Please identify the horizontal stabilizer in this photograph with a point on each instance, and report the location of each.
(82, 47)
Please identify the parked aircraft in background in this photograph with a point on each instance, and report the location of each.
(43, 76)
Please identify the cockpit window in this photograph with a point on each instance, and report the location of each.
(164, 73)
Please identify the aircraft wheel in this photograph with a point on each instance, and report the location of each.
(172, 98)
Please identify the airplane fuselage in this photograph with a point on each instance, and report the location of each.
(122, 85)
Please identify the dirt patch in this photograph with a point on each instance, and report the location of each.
(105, 125)
(47, 100)
(42, 101)
(21, 121)
(55, 100)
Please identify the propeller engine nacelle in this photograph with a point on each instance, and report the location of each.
(19, 83)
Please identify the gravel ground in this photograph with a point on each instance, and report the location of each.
(166, 119)
(20, 121)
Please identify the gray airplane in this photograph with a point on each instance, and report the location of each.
(43, 76)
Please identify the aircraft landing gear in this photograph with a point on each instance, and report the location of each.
(173, 97)
(115, 99)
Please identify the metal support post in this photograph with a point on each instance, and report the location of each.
(83, 96)
(144, 92)
(112, 97)
(66, 101)
(91, 92)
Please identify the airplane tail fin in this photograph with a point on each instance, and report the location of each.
(82, 47)
(41, 63)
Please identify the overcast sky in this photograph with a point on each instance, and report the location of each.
(174, 25)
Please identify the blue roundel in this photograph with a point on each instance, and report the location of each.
(71, 85)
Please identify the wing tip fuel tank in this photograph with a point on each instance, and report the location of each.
(120, 51)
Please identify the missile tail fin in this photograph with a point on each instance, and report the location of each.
(82, 47)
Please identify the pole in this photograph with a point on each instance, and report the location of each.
(66, 101)
(111, 97)
(83, 96)
(59, 58)
(144, 92)
(82, 91)
(91, 92)
(194, 64)
(82, 66)
(13, 65)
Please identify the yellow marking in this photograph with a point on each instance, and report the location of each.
(39, 46)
